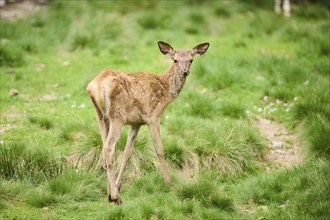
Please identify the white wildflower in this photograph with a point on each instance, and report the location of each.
(273, 110)
(65, 63)
(260, 78)
(204, 90)
(82, 105)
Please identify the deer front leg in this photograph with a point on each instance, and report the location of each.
(108, 156)
(155, 135)
(128, 152)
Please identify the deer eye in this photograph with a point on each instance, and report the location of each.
(175, 61)
(191, 61)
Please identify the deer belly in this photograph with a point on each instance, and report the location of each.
(134, 117)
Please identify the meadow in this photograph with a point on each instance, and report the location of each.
(259, 65)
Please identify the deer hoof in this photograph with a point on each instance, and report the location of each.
(118, 201)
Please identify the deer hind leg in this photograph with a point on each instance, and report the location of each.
(103, 122)
(127, 153)
(155, 135)
(277, 6)
(287, 8)
(108, 155)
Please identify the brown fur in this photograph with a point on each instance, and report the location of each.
(130, 98)
(137, 99)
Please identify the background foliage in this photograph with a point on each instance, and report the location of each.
(50, 164)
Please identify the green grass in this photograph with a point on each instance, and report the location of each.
(259, 64)
(206, 193)
(316, 126)
(299, 193)
(33, 165)
(40, 121)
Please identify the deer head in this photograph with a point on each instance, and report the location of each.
(182, 58)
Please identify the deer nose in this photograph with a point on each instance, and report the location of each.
(185, 72)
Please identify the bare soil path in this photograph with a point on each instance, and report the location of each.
(21, 9)
(284, 151)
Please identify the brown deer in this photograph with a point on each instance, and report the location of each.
(137, 99)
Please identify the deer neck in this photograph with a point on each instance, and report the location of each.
(175, 81)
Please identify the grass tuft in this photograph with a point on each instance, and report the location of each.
(317, 130)
(233, 110)
(41, 199)
(82, 40)
(301, 191)
(40, 121)
(21, 163)
(78, 186)
(116, 213)
(150, 184)
(175, 154)
(60, 185)
(11, 190)
(10, 55)
(206, 193)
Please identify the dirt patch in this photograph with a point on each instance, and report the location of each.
(6, 127)
(13, 114)
(21, 9)
(48, 97)
(284, 146)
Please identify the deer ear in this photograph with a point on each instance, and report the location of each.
(200, 49)
(165, 48)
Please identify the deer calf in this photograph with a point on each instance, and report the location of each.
(137, 99)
